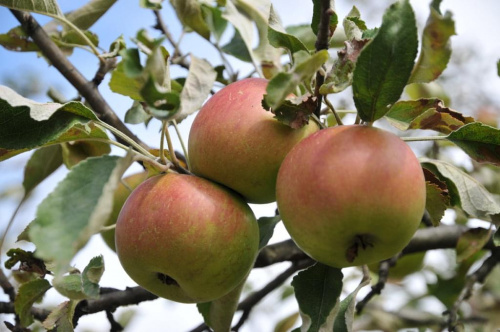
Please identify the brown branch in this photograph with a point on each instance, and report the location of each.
(86, 88)
(323, 37)
(7, 286)
(177, 58)
(38, 313)
(477, 277)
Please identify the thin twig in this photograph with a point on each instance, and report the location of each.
(86, 88)
(177, 57)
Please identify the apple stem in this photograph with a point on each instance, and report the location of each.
(330, 106)
(318, 121)
(184, 150)
(162, 141)
(125, 138)
(423, 138)
(107, 228)
(173, 158)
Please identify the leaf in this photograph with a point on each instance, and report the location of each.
(76, 209)
(136, 114)
(218, 314)
(17, 40)
(237, 48)
(151, 4)
(61, 317)
(190, 14)
(283, 84)
(384, 66)
(465, 191)
(91, 276)
(266, 229)
(75, 152)
(85, 16)
(244, 26)
(163, 104)
(437, 197)
(345, 316)
(278, 37)
(70, 286)
(479, 141)
(27, 295)
(472, 241)
(45, 7)
(214, 20)
(286, 323)
(317, 290)
(125, 85)
(436, 47)
(426, 114)
(354, 26)
(340, 76)
(317, 15)
(295, 112)
(41, 164)
(199, 83)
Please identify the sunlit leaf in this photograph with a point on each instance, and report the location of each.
(278, 37)
(91, 276)
(46, 7)
(479, 141)
(345, 316)
(76, 209)
(384, 66)
(317, 290)
(354, 25)
(61, 317)
(16, 39)
(214, 20)
(465, 191)
(190, 14)
(436, 47)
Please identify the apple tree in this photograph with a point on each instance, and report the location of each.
(362, 210)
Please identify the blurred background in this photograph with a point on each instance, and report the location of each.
(470, 81)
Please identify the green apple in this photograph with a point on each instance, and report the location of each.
(236, 142)
(120, 196)
(185, 238)
(351, 195)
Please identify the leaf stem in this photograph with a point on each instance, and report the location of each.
(424, 138)
(330, 106)
(184, 150)
(81, 34)
(125, 138)
(173, 157)
(162, 141)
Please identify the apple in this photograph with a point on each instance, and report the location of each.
(351, 195)
(236, 142)
(120, 196)
(185, 238)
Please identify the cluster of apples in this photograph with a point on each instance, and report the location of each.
(348, 195)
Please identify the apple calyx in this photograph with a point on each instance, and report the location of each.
(364, 241)
(167, 280)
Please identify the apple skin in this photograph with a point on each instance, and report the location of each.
(185, 238)
(120, 196)
(236, 142)
(351, 195)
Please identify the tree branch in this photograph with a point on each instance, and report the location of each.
(177, 58)
(86, 88)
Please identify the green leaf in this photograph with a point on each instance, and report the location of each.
(286, 323)
(17, 40)
(199, 83)
(266, 229)
(75, 152)
(190, 14)
(45, 7)
(219, 313)
(25, 124)
(317, 15)
(124, 84)
(426, 114)
(436, 46)
(237, 48)
(498, 67)
(345, 316)
(92, 275)
(216, 23)
(384, 66)
(479, 141)
(162, 103)
(85, 16)
(41, 164)
(71, 38)
(303, 33)
(77, 208)
(278, 37)
(354, 26)
(283, 84)
(61, 317)
(70, 286)
(317, 290)
(437, 197)
(136, 114)
(465, 191)
(472, 241)
(27, 295)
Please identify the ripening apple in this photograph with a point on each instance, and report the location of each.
(236, 142)
(351, 195)
(119, 198)
(185, 238)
